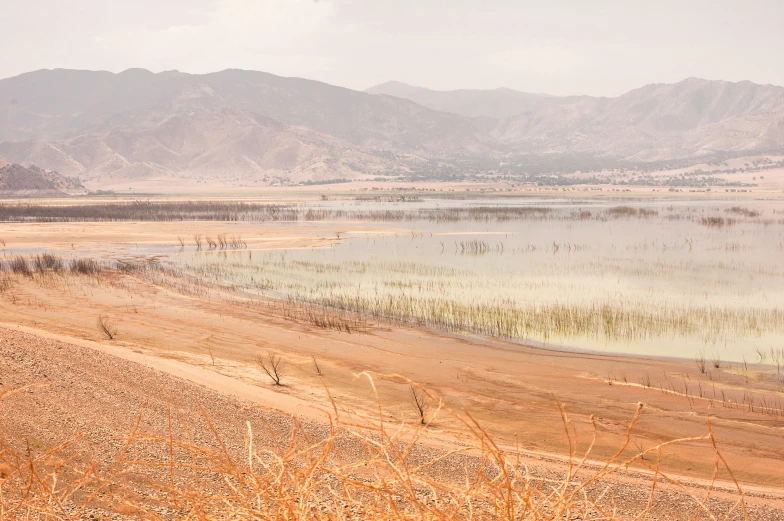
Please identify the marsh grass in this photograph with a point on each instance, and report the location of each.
(20, 266)
(724, 387)
(357, 467)
(85, 266)
(352, 314)
(322, 317)
(541, 303)
(616, 320)
(158, 211)
(630, 211)
(717, 221)
(241, 211)
(743, 211)
(49, 263)
(605, 321)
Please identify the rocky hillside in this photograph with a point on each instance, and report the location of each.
(32, 181)
(245, 127)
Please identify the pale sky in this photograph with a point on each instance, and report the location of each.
(597, 47)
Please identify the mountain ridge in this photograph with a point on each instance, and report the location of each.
(256, 127)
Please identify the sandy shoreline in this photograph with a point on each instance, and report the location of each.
(510, 388)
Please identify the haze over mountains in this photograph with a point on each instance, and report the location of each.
(498, 103)
(246, 127)
(657, 122)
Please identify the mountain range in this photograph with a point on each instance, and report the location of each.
(246, 127)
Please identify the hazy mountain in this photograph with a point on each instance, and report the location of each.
(232, 124)
(32, 181)
(656, 122)
(497, 103)
(252, 127)
(222, 144)
(659, 121)
(57, 104)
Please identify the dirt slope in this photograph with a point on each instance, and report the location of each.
(90, 394)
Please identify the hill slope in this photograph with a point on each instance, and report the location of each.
(18, 180)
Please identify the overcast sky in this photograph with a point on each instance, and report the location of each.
(598, 47)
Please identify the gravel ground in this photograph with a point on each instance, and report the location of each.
(99, 397)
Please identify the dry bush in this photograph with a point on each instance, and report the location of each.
(106, 327)
(355, 468)
(701, 361)
(48, 262)
(419, 403)
(273, 365)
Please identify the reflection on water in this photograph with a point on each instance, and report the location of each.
(670, 279)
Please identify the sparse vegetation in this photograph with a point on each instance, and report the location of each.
(20, 266)
(145, 211)
(701, 362)
(555, 276)
(419, 402)
(296, 475)
(743, 211)
(106, 327)
(85, 266)
(48, 262)
(272, 365)
(717, 221)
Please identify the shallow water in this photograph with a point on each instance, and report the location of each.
(660, 284)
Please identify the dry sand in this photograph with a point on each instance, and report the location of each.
(87, 394)
(511, 389)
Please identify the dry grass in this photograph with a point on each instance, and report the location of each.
(356, 468)
(49, 263)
